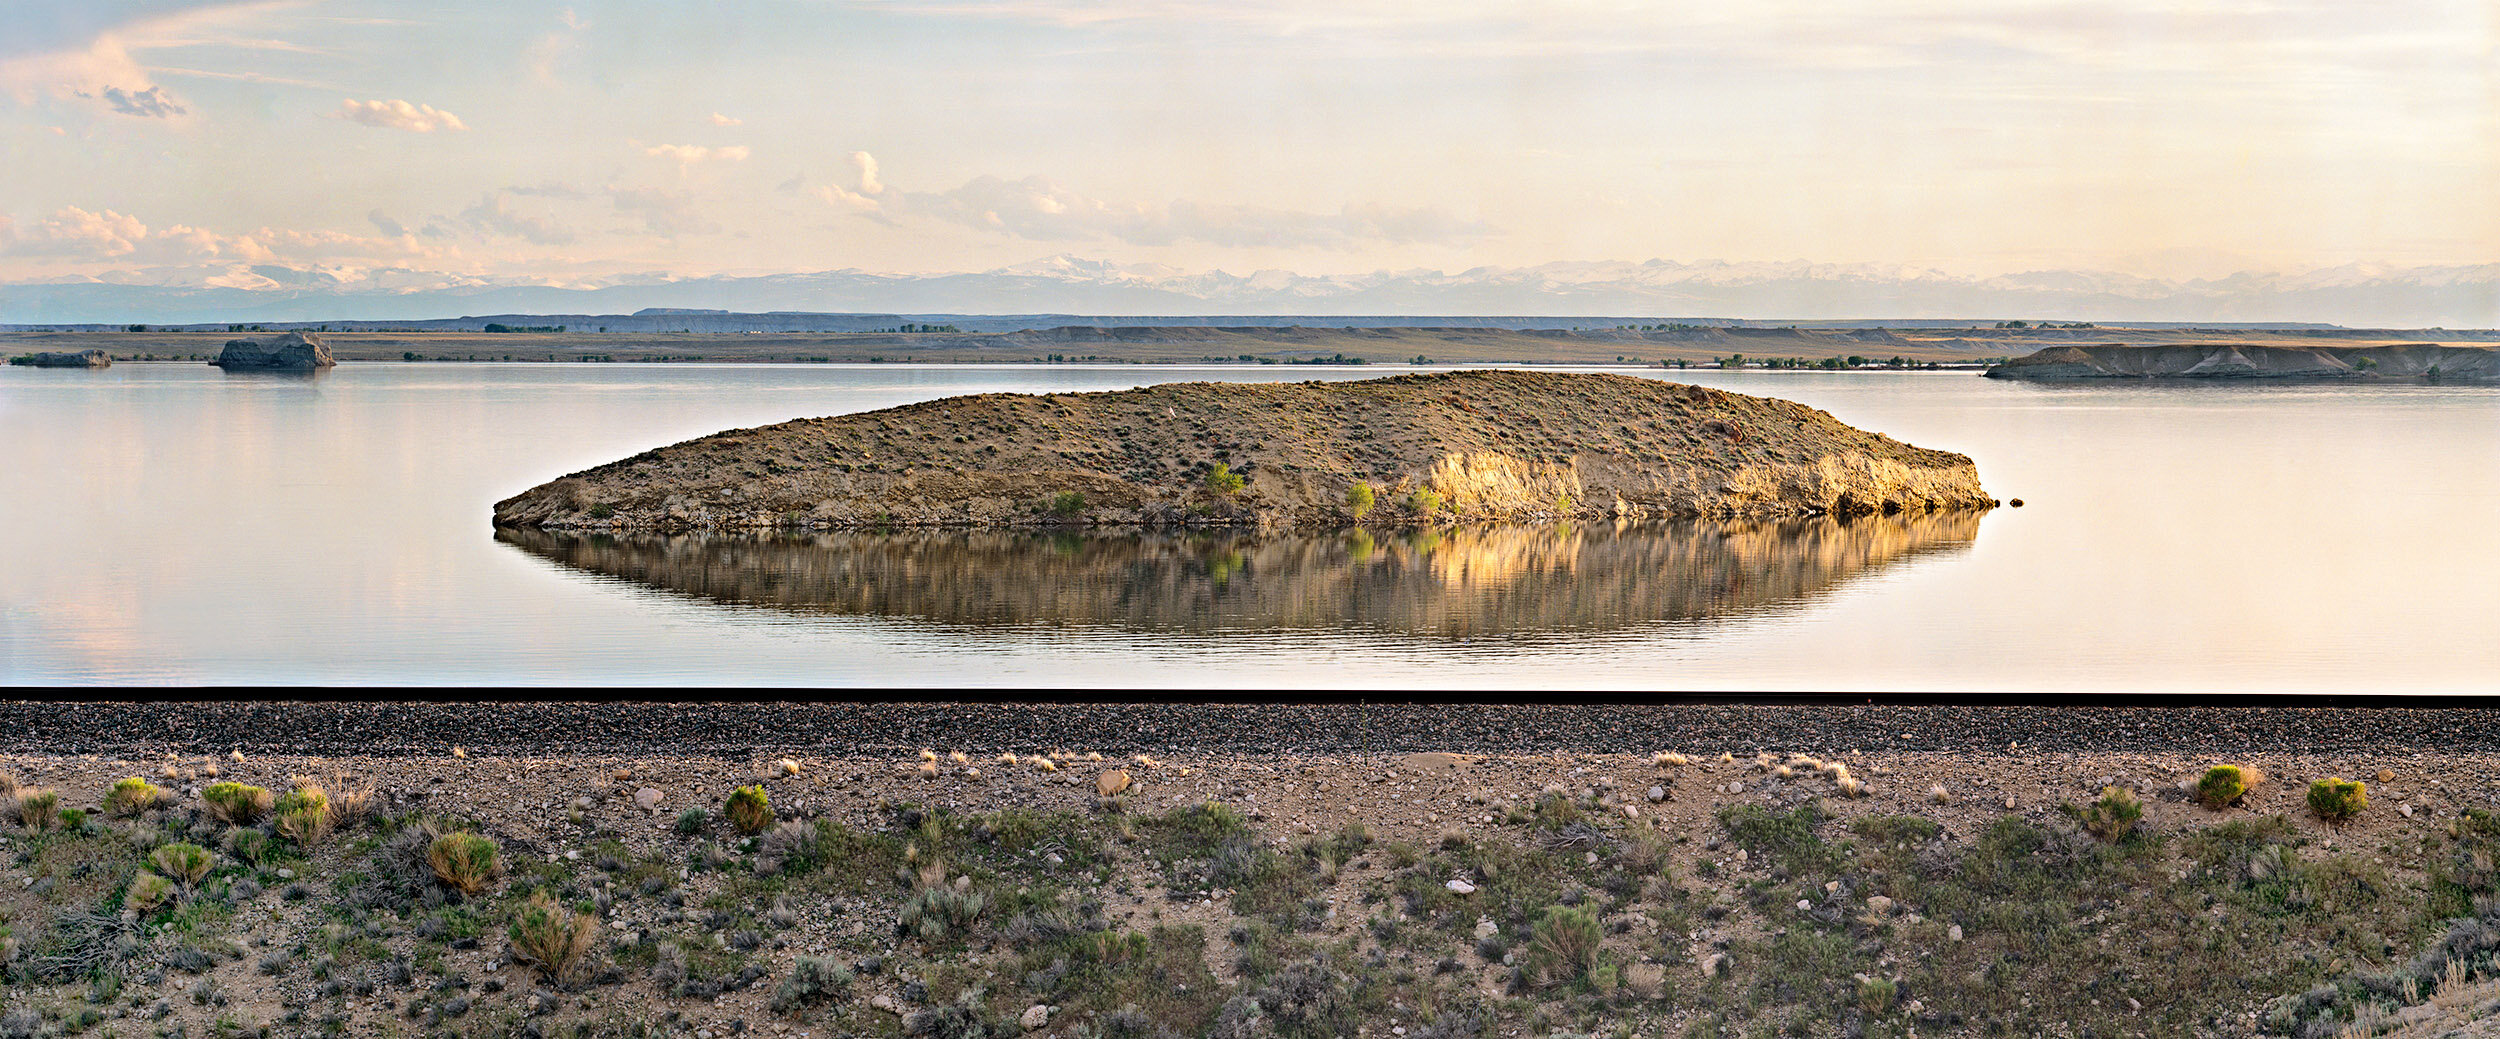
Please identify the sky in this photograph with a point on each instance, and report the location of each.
(574, 144)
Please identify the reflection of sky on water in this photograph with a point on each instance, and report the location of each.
(170, 523)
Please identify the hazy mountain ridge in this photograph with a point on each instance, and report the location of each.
(2354, 295)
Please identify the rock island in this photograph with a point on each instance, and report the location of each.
(1472, 445)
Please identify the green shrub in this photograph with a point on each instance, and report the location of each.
(1359, 499)
(936, 912)
(1564, 945)
(814, 979)
(2223, 785)
(38, 810)
(147, 892)
(553, 940)
(1067, 503)
(463, 860)
(602, 510)
(1875, 995)
(2337, 800)
(1224, 481)
(184, 862)
(750, 810)
(1425, 501)
(692, 821)
(236, 804)
(132, 796)
(2112, 817)
(73, 820)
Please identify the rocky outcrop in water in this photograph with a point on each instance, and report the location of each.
(1478, 445)
(286, 351)
(80, 359)
(2423, 361)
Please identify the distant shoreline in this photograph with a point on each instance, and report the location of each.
(1280, 347)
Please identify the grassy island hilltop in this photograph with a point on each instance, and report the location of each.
(1471, 445)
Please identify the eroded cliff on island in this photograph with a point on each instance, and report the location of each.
(2427, 362)
(1472, 445)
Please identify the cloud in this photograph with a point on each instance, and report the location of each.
(723, 120)
(399, 115)
(689, 154)
(490, 216)
(152, 103)
(385, 224)
(79, 235)
(868, 183)
(550, 189)
(550, 50)
(663, 212)
(1038, 209)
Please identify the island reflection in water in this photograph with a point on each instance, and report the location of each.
(1514, 580)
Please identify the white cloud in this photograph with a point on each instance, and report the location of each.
(78, 235)
(723, 120)
(1039, 209)
(152, 103)
(491, 217)
(399, 115)
(868, 183)
(689, 154)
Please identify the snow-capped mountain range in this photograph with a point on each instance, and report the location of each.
(2359, 295)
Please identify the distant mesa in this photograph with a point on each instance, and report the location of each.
(284, 352)
(80, 359)
(2412, 361)
(1412, 450)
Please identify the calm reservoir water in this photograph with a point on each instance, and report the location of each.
(172, 523)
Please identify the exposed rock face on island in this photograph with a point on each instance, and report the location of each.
(80, 359)
(288, 351)
(2224, 361)
(1480, 445)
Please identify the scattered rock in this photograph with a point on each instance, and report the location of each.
(648, 798)
(1953, 933)
(1657, 794)
(1879, 903)
(1461, 887)
(1035, 1016)
(1486, 928)
(1113, 783)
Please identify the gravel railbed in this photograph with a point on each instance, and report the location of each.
(741, 729)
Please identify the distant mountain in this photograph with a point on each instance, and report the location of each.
(2352, 295)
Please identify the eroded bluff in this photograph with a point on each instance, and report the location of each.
(1475, 445)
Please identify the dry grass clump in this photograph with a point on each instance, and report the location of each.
(553, 940)
(1669, 759)
(749, 810)
(351, 802)
(2336, 800)
(2224, 785)
(303, 814)
(147, 892)
(1937, 794)
(1045, 764)
(466, 861)
(1565, 943)
(37, 809)
(184, 862)
(236, 804)
(132, 796)
(788, 766)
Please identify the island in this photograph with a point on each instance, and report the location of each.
(1411, 449)
(286, 351)
(2430, 362)
(77, 359)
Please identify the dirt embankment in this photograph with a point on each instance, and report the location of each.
(2412, 361)
(1477, 445)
